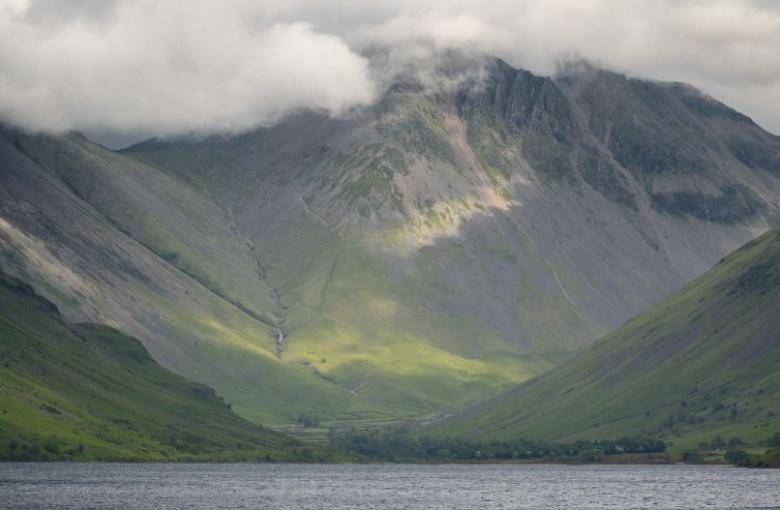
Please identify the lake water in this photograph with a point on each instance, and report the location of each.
(413, 487)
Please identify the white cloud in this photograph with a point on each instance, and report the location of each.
(176, 65)
(167, 67)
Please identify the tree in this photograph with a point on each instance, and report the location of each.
(308, 421)
(737, 457)
(52, 445)
(735, 441)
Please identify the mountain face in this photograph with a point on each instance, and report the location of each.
(88, 392)
(700, 363)
(115, 242)
(454, 239)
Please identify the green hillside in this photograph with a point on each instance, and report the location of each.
(115, 241)
(88, 392)
(702, 363)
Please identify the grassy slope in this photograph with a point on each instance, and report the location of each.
(196, 299)
(88, 392)
(394, 353)
(396, 356)
(381, 359)
(701, 363)
(178, 225)
(90, 229)
(769, 459)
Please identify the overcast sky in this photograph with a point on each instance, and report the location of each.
(162, 67)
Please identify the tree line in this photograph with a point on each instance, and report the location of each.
(400, 445)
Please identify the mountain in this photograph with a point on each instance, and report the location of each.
(88, 392)
(703, 362)
(114, 242)
(461, 235)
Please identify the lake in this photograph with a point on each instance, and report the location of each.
(412, 487)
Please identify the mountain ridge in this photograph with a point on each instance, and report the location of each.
(423, 254)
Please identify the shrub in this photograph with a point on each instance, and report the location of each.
(52, 445)
(735, 441)
(308, 421)
(691, 456)
(737, 457)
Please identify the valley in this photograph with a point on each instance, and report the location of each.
(419, 256)
(701, 364)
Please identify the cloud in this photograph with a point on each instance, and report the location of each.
(198, 65)
(167, 67)
(728, 48)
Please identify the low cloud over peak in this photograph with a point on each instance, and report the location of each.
(181, 66)
(168, 67)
